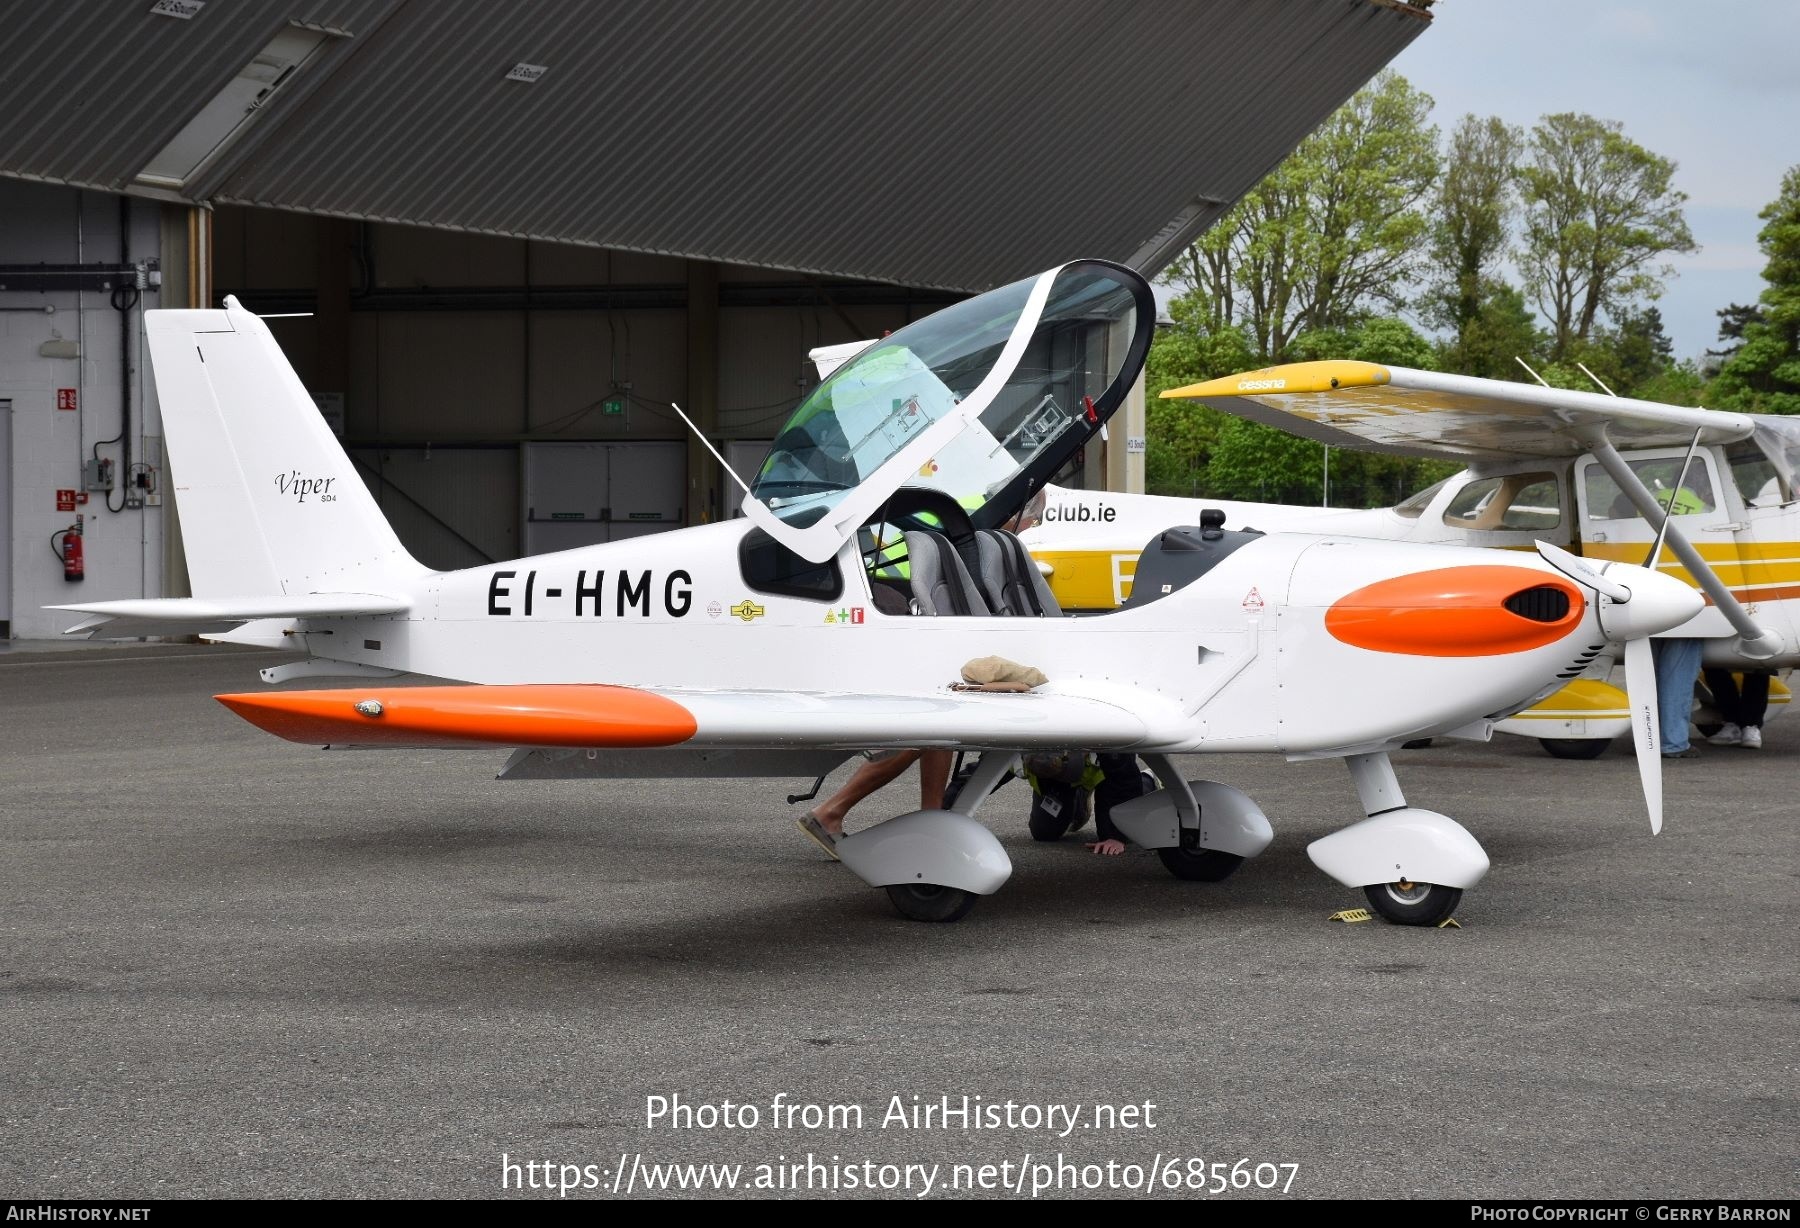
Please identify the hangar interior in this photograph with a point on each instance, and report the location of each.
(498, 241)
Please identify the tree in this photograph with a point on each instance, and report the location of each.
(1471, 230)
(1252, 461)
(1763, 375)
(1180, 434)
(1502, 331)
(1599, 209)
(1334, 231)
(1733, 320)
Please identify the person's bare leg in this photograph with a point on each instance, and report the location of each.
(934, 777)
(866, 779)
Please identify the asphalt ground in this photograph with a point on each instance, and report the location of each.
(234, 966)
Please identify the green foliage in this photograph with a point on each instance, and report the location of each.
(1336, 229)
(1763, 374)
(1471, 230)
(1501, 331)
(1180, 434)
(1599, 208)
(1366, 220)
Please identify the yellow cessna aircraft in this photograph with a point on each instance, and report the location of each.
(1583, 471)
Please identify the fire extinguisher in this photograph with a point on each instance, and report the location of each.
(68, 549)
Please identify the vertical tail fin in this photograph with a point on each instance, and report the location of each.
(269, 502)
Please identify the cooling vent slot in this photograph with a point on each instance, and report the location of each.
(1542, 604)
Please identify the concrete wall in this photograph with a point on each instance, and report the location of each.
(124, 549)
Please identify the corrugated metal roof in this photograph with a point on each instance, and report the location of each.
(946, 143)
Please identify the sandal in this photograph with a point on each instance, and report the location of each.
(818, 833)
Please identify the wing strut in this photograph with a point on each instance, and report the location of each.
(1754, 642)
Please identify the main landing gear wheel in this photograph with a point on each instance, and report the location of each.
(930, 902)
(1407, 903)
(1199, 865)
(1575, 748)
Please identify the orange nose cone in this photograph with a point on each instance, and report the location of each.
(540, 715)
(1458, 612)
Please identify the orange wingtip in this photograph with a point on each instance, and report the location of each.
(526, 715)
(1458, 612)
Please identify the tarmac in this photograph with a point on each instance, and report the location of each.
(233, 966)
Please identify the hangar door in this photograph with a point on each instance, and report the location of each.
(6, 520)
(580, 494)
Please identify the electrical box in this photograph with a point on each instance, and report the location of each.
(97, 475)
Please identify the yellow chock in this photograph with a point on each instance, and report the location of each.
(1449, 923)
(1350, 916)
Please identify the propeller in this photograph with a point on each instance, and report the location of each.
(1646, 725)
(1634, 604)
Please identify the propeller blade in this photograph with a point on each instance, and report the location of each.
(1646, 728)
(1578, 570)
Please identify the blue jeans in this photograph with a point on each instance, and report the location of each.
(1677, 669)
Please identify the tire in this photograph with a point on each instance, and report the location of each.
(1416, 744)
(930, 902)
(1575, 748)
(1199, 865)
(1413, 903)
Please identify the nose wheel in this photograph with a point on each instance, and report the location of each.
(930, 902)
(1410, 903)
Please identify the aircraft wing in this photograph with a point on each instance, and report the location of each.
(592, 716)
(1372, 408)
(112, 620)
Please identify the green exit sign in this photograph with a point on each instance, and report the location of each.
(613, 406)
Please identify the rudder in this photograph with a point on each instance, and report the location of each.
(269, 503)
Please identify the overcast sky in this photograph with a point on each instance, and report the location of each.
(1713, 84)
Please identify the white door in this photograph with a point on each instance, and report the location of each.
(6, 496)
(1611, 527)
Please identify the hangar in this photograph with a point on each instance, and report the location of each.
(502, 238)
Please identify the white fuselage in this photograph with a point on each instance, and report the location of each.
(1237, 660)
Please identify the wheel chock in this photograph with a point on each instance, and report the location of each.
(1350, 916)
(1448, 923)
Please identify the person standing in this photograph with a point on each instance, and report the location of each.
(1742, 709)
(1677, 669)
(824, 823)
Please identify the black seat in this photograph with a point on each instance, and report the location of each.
(1009, 577)
(940, 583)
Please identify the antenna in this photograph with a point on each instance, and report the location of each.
(708, 446)
(1603, 388)
(1534, 375)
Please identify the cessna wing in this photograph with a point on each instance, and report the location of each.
(598, 716)
(1404, 412)
(1367, 406)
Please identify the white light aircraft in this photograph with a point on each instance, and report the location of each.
(752, 646)
(1586, 472)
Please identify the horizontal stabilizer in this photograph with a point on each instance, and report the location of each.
(113, 620)
(594, 716)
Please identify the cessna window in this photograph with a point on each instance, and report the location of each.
(1755, 475)
(1779, 439)
(1059, 382)
(1517, 501)
(1605, 501)
(1414, 505)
